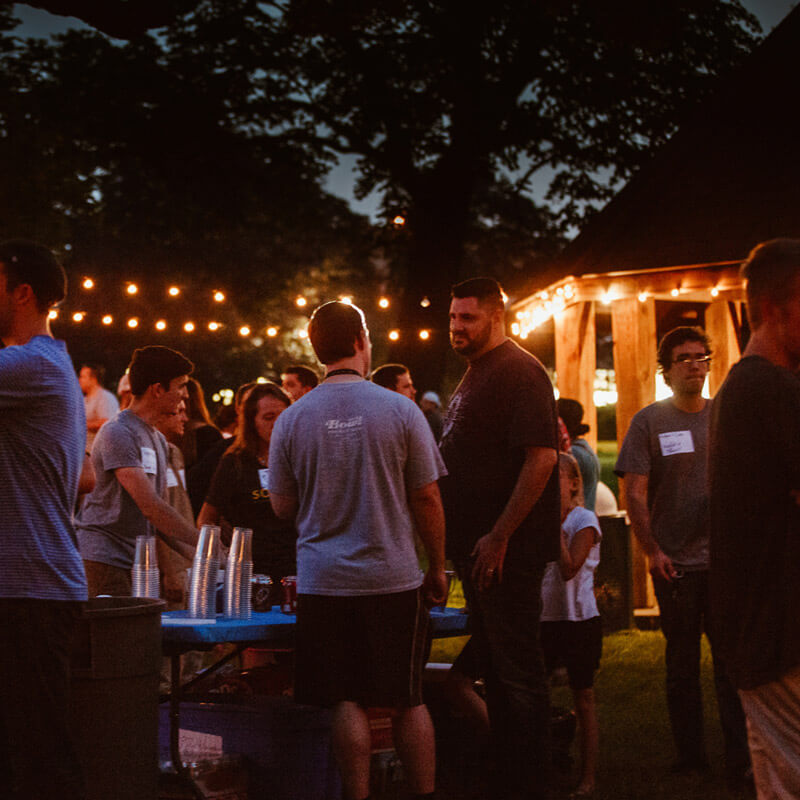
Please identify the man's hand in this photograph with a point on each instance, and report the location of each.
(489, 554)
(661, 567)
(434, 587)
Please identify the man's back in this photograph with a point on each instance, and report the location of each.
(351, 452)
(42, 442)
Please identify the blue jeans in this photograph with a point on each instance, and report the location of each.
(684, 615)
(505, 650)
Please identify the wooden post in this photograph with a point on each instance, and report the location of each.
(720, 327)
(576, 360)
(633, 326)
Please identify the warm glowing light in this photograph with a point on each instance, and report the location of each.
(261, 379)
(300, 301)
(213, 326)
(384, 302)
(161, 325)
(88, 283)
(569, 291)
(132, 288)
(424, 334)
(394, 335)
(108, 319)
(560, 291)
(244, 331)
(173, 291)
(399, 221)
(519, 315)
(505, 298)
(133, 322)
(515, 328)
(303, 333)
(272, 331)
(219, 296)
(675, 292)
(189, 327)
(714, 292)
(607, 298)
(78, 316)
(346, 298)
(216, 397)
(425, 302)
(642, 297)
(53, 314)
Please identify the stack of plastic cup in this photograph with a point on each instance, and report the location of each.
(238, 576)
(144, 574)
(203, 585)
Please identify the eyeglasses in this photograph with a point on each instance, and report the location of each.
(687, 358)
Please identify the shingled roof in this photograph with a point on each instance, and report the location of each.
(729, 178)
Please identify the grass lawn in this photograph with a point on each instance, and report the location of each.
(635, 742)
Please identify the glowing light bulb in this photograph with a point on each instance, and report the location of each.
(107, 319)
(161, 325)
(213, 326)
(88, 283)
(219, 296)
(346, 298)
(78, 316)
(383, 302)
(133, 322)
(189, 327)
(515, 329)
(715, 292)
(675, 292)
(53, 314)
(173, 291)
(244, 331)
(425, 302)
(132, 288)
(424, 334)
(300, 301)
(394, 335)
(272, 331)
(642, 297)
(303, 333)
(398, 221)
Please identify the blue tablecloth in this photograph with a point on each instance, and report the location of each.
(177, 628)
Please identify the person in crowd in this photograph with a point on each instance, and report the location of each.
(124, 392)
(755, 518)
(501, 501)
(239, 492)
(200, 433)
(298, 380)
(198, 478)
(226, 419)
(572, 635)
(396, 378)
(571, 413)
(357, 466)
(130, 464)
(663, 461)
(431, 407)
(99, 403)
(42, 582)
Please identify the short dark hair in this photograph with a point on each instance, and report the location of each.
(334, 329)
(98, 370)
(387, 375)
(486, 290)
(305, 375)
(34, 264)
(771, 270)
(156, 364)
(677, 337)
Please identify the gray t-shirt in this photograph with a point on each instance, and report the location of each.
(670, 447)
(350, 452)
(110, 520)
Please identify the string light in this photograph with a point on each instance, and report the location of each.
(675, 292)
(78, 316)
(219, 296)
(213, 326)
(272, 331)
(161, 325)
(398, 221)
(383, 302)
(505, 297)
(189, 327)
(244, 331)
(715, 292)
(642, 297)
(608, 297)
(53, 314)
(303, 333)
(88, 283)
(107, 319)
(515, 328)
(132, 288)
(425, 302)
(300, 301)
(133, 322)
(394, 335)
(346, 298)
(424, 334)
(173, 291)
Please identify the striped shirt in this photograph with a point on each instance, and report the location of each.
(42, 445)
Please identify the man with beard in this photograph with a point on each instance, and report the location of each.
(501, 502)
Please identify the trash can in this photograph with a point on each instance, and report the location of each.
(116, 663)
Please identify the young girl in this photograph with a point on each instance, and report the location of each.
(571, 631)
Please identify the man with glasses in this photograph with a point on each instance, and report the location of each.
(664, 463)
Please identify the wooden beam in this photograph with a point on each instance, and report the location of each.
(576, 360)
(724, 341)
(633, 326)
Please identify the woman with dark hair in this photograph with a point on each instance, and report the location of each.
(239, 493)
(201, 433)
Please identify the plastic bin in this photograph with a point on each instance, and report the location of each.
(116, 664)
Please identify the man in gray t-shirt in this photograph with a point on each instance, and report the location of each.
(663, 461)
(357, 467)
(130, 464)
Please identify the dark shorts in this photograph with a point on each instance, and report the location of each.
(369, 649)
(576, 646)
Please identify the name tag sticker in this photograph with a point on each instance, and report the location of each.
(149, 463)
(263, 477)
(172, 478)
(676, 442)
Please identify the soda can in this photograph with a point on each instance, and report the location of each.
(289, 605)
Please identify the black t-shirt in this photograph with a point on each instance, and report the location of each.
(503, 404)
(754, 467)
(237, 493)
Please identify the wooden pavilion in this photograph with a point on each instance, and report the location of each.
(677, 233)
